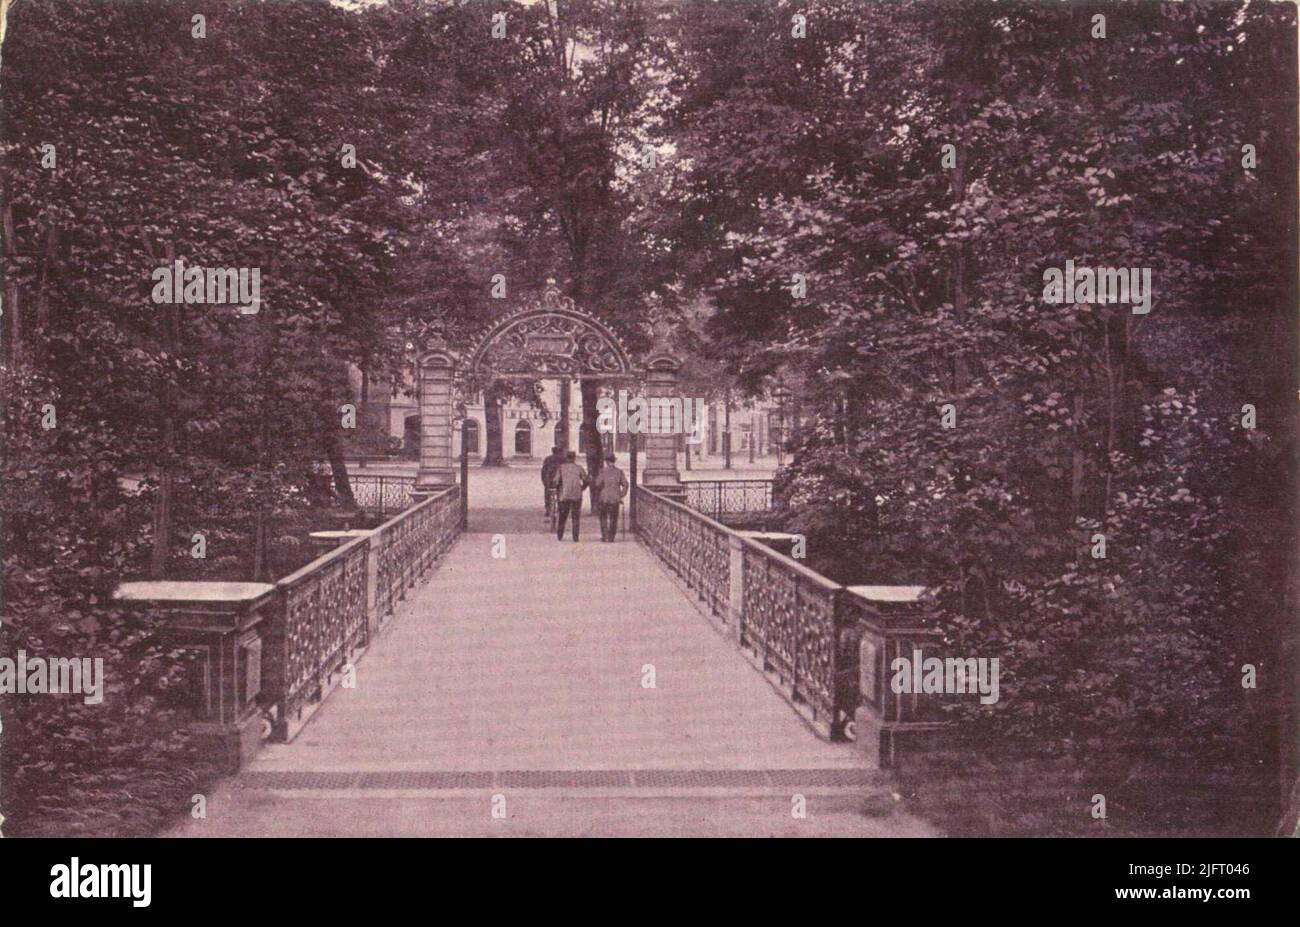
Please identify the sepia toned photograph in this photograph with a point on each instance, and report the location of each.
(648, 418)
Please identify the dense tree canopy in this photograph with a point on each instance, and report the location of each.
(856, 200)
(924, 267)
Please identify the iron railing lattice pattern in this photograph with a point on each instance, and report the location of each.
(382, 495)
(794, 620)
(716, 498)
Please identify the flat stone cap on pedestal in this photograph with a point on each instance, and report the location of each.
(780, 536)
(172, 590)
(889, 593)
(329, 536)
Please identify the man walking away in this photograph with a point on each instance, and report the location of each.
(610, 488)
(549, 466)
(571, 480)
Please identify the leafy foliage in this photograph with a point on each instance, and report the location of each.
(826, 158)
(775, 155)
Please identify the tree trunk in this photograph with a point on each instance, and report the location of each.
(960, 368)
(595, 447)
(1112, 413)
(339, 469)
(1076, 464)
(726, 428)
(162, 510)
(261, 568)
(162, 504)
(48, 264)
(14, 342)
(1129, 420)
(494, 455)
(267, 342)
(566, 409)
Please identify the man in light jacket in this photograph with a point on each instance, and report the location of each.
(571, 480)
(610, 487)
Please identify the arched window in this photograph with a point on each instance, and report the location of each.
(523, 439)
(471, 436)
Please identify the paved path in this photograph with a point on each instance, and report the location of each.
(522, 677)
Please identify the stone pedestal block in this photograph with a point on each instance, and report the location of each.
(892, 622)
(222, 623)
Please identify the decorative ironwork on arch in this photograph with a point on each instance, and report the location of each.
(551, 338)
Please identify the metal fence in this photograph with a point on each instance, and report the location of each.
(716, 498)
(695, 548)
(789, 616)
(328, 610)
(407, 546)
(320, 622)
(382, 495)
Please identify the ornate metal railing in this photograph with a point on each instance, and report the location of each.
(321, 623)
(408, 545)
(787, 615)
(694, 547)
(716, 498)
(326, 612)
(382, 495)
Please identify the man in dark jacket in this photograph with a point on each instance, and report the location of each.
(549, 466)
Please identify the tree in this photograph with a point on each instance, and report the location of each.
(222, 152)
(924, 270)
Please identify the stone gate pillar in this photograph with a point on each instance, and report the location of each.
(661, 473)
(435, 369)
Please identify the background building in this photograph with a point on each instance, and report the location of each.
(388, 425)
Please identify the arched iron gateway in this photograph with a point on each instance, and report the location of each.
(550, 338)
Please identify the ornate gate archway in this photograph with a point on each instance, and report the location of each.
(551, 338)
